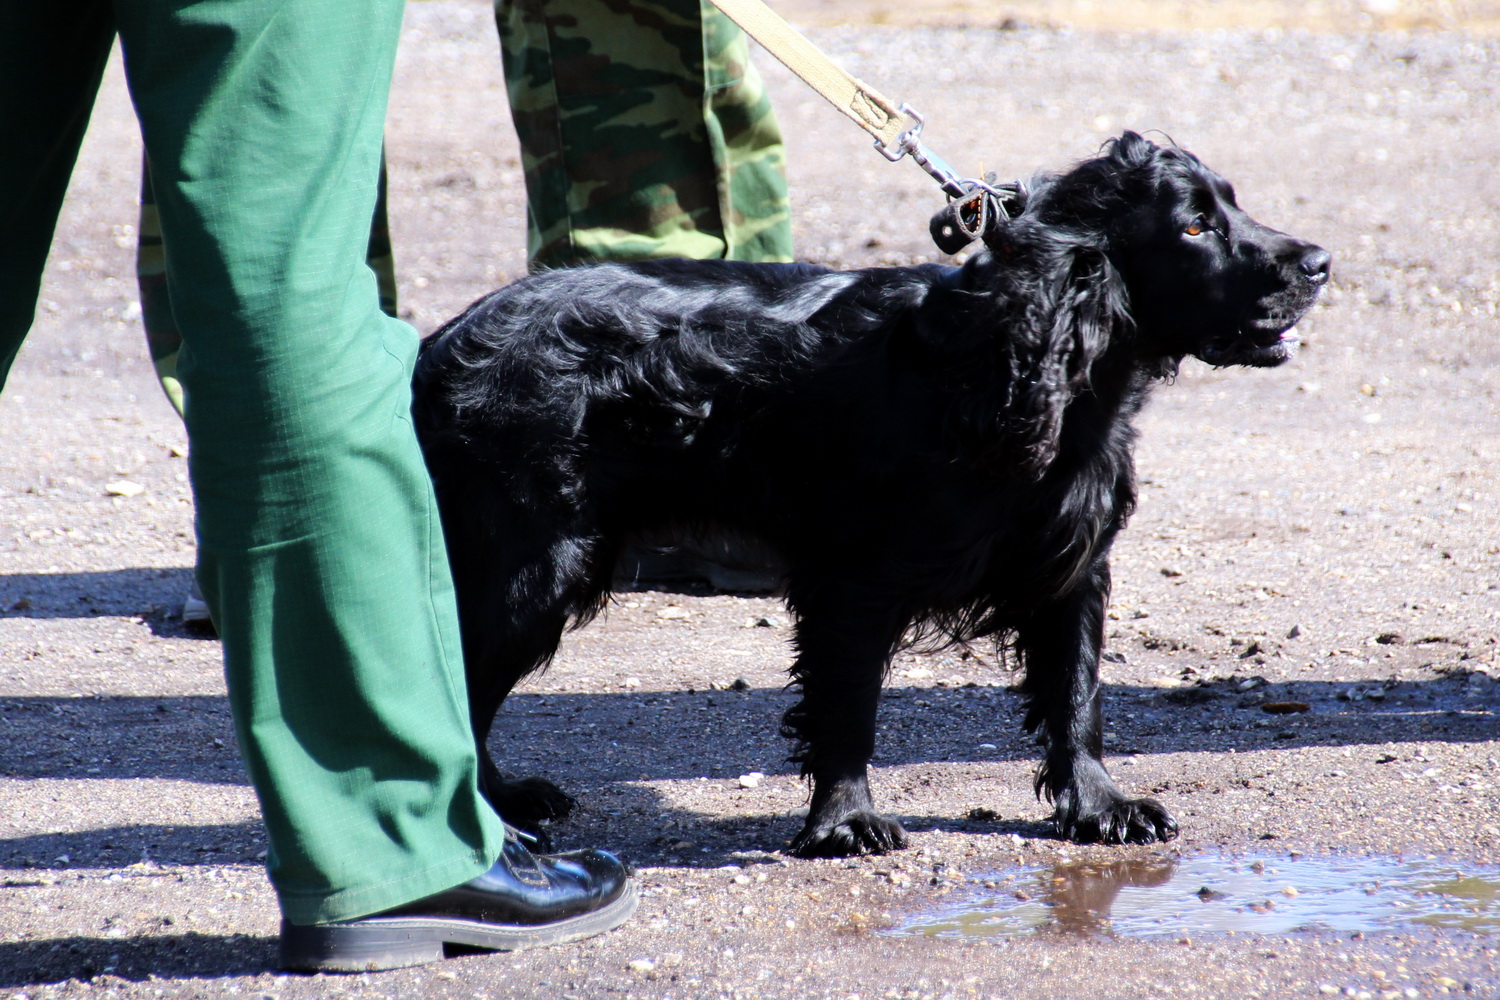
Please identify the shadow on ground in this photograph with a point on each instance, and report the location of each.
(159, 956)
(606, 747)
(153, 595)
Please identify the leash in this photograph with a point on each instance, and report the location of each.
(975, 206)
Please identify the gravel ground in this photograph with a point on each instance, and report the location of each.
(1325, 534)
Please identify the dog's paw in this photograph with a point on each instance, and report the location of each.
(859, 831)
(528, 802)
(1119, 821)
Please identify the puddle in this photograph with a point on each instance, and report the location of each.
(1208, 894)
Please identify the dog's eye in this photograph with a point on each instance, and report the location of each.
(1198, 226)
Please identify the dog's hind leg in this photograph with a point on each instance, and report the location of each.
(1060, 648)
(843, 648)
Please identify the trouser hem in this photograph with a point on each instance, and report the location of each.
(349, 904)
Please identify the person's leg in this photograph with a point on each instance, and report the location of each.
(645, 132)
(163, 341)
(749, 158)
(320, 551)
(52, 58)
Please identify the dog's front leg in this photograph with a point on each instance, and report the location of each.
(844, 647)
(1060, 648)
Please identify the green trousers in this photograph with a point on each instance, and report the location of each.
(320, 550)
(162, 339)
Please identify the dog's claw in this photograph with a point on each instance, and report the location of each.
(1124, 821)
(528, 802)
(854, 833)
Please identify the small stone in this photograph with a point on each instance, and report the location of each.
(124, 488)
(740, 684)
(751, 780)
(641, 965)
(1294, 631)
(672, 611)
(986, 748)
(1171, 571)
(1285, 707)
(1291, 892)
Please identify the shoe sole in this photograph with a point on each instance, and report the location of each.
(377, 943)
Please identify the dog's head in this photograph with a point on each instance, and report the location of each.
(1200, 276)
(1134, 259)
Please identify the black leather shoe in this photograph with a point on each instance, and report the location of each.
(524, 901)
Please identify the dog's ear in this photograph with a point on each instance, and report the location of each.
(1066, 329)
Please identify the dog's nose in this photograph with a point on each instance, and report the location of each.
(1315, 264)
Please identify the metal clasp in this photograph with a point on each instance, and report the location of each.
(907, 141)
(910, 141)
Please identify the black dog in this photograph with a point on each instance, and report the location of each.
(933, 452)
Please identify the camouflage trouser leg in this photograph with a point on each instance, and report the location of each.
(645, 132)
(162, 338)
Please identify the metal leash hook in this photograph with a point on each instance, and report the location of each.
(910, 141)
(974, 205)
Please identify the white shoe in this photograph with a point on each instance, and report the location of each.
(195, 608)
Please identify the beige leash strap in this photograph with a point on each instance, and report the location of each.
(855, 98)
(897, 130)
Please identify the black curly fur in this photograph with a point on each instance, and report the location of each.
(936, 453)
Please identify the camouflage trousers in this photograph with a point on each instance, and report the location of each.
(645, 132)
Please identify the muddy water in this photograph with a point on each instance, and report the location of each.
(1209, 894)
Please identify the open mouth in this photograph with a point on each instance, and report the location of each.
(1274, 336)
(1255, 346)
